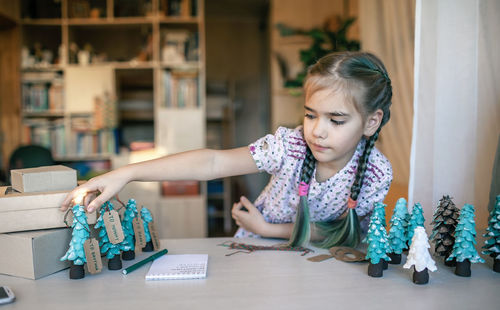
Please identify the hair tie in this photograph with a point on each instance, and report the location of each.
(351, 204)
(303, 188)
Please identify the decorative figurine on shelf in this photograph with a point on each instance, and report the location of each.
(419, 257)
(111, 250)
(492, 245)
(128, 244)
(397, 231)
(76, 252)
(444, 223)
(378, 245)
(146, 218)
(416, 220)
(465, 238)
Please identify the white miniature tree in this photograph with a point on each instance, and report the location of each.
(420, 257)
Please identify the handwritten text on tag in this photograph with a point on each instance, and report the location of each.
(93, 255)
(113, 226)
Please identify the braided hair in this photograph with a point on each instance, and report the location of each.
(364, 77)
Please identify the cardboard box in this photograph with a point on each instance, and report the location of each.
(32, 211)
(42, 179)
(34, 254)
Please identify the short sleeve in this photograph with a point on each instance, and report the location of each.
(269, 151)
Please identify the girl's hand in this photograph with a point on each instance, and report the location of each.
(96, 191)
(251, 220)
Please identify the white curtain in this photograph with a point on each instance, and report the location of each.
(457, 103)
(387, 30)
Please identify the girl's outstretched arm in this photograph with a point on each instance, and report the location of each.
(202, 165)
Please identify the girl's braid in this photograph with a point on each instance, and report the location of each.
(362, 163)
(308, 166)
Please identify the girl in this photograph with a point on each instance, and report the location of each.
(327, 171)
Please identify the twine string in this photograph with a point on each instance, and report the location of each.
(75, 218)
(249, 248)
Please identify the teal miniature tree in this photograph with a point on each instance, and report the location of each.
(464, 250)
(378, 244)
(444, 223)
(416, 220)
(128, 244)
(397, 231)
(80, 234)
(147, 218)
(492, 244)
(111, 250)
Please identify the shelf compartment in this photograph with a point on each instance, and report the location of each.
(41, 45)
(41, 9)
(128, 44)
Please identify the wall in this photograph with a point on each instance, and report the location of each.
(387, 30)
(457, 103)
(287, 110)
(237, 51)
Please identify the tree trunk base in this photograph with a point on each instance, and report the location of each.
(115, 263)
(451, 263)
(496, 265)
(386, 264)
(420, 277)
(128, 255)
(76, 272)
(395, 259)
(463, 268)
(376, 270)
(149, 247)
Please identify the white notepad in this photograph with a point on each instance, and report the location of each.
(182, 266)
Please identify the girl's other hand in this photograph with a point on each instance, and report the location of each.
(96, 191)
(251, 220)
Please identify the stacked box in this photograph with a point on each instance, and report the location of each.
(33, 232)
(30, 211)
(34, 254)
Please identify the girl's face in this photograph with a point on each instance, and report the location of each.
(333, 128)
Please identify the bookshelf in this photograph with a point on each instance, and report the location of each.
(102, 79)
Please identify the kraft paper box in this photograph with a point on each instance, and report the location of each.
(34, 254)
(42, 179)
(32, 211)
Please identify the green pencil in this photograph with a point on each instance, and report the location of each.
(144, 261)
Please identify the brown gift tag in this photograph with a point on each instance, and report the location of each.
(113, 226)
(140, 236)
(319, 258)
(154, 235)
(93, 255)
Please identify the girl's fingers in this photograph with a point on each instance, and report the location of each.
(245, 202)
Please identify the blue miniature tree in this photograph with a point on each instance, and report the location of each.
(416, 220)
(378, 244)
(464, 250)
(111, 250)
(76, 253)
(397, 231)
(147, 218)
(492, 245)
(128, 244)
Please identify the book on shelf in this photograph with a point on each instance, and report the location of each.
(180, 89)
(47, 133)
(42, 92)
